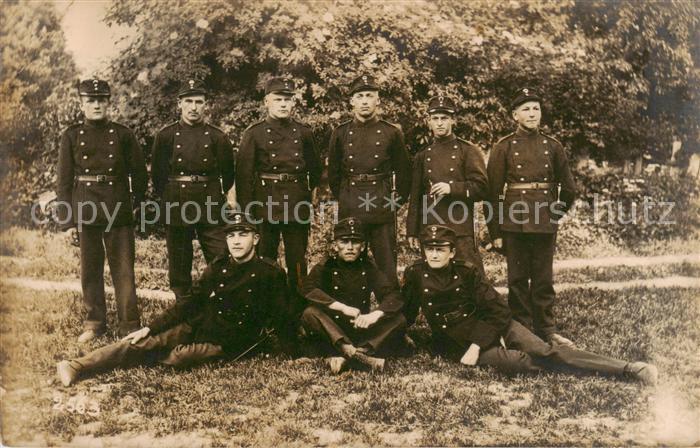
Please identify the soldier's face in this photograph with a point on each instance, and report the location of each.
(349, 249)
(278, 105)
(441, 124)
(241, 244)
(192, 108)
(438, 256)
(94, 107)
(528, 115)
(364, 104)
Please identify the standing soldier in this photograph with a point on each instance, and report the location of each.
(339, 290)
(369, 172)
(539, 189)
(97, 160)
(278, 167)
(192, 170)
(449, 176)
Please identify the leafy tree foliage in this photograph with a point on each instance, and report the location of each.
(35, 81)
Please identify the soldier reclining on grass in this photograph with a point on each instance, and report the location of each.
(224, 314)
(339, 320)
(468, 318)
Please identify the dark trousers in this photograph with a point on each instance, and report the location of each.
(467, 250)
(530, 258)
(382, 243)
(180, 252)
(120, 248)
(296, 239)
(174, 347)
(527, 353)
(328, 329)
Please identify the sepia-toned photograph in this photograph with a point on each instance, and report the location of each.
(349, 223)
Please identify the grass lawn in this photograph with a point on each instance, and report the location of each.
(421, 400)
(418, 401)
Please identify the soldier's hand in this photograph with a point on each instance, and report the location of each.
(440, 189)
(471, 356)
(367, 320)
(414, 243)
(136, 336)
(72, 236)
(351, 311)
(498, 245)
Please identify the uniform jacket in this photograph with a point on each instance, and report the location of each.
(373, 147)
(183, 150)
(231, 303)
(461, 165)
(352, 284)
(525, 157)
(100, 148)
(275, 146)
(457, 301)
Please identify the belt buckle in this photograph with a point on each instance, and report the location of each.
(363, 177)
(101, 178)
(284, 177)
(194, 178)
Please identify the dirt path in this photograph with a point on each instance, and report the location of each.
(68, 285)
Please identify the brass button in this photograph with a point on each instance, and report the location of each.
(84, 157)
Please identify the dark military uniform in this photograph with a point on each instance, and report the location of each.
(278, 166)
(528, 170)
(192, 165)
(225, 313)
(97, 160)
(363, 160)
(460, 164)
(462, 308)
(335, 280)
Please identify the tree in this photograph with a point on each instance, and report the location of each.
(35, 80)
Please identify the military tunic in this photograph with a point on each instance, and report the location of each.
(460, 164)
(362, 158)
(462, 308)
(532, 167)
(279, 166)
(225, 314)
(351, 284)
(192, 165)
(96, 161)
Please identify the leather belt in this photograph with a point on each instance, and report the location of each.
(532, 186)
(367, 177)
(284, 177)
(190, 178)
(99, 178)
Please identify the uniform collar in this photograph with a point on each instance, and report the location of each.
(521, 132)
(191, 126)
(359, 124)
(446, 139)
(97, 123)
(281, 122)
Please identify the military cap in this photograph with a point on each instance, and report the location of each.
(237, 220)
(191, 87)
(435, 235)
(441, 104)
(363, 83)
(93, 87)
(350, 228)
(523, 96)
(280, 85)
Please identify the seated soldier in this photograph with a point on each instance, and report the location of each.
(468, 319)
(224, 314)
(339, 319)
